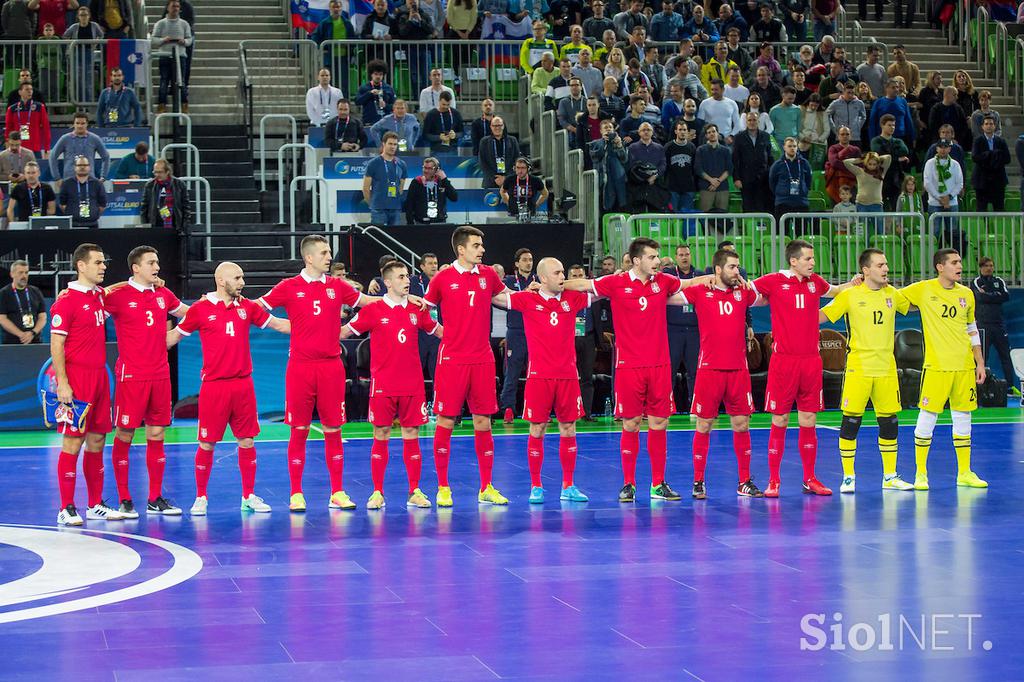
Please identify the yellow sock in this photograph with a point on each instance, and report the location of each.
(888, 449)
(962, 445)
(921, 448)
(848, 452)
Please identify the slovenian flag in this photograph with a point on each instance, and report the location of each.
(358, 10)
(502, 28)
(307, 14)
(130, 57)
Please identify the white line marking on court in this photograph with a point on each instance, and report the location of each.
(286, 652)
(626, 637)
(680, 582)
(257, 612)
(479, 554)
(314, 427)
(566, 603)
(486, 666)
(792, 568)
(436, 626)
(516, 575)
(692, 675)
(828, 428)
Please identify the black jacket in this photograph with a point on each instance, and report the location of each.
(990, 166)
(435, 123)
(990, 293)
(750, 161)
(352, 131)
(487, 158)
(416, 201)
(181, 211)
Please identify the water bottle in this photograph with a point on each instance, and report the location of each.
(430, 412)
(608, 407)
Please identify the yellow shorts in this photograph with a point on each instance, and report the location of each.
(884, 393)
(958, 387)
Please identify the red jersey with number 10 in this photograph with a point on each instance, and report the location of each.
(794, 302)
(722, 318)
(314, 308)
(224, 331)
(639, 313)
(465, 300)
(395, 368)
(550, 326)
(140, 318)
(79, 314)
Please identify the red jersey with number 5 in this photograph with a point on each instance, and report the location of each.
(794, 302)
(394, 346)
(465, 300)
(722, 318)
(314, 308)
(639, 314)
(550, 326)
(79, 314)
(140, 318)
(224, 331)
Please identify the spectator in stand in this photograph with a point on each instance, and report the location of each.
(666, 25)
(865, 95)
(29, 117)
(814, 132)
(790, 181)
(794, 18)
(376, 97)
(842, 208)
(785, 117)
(523, 191)
(636, 46)
(611, 104)
(713, 166)
(680, 178)
(768, 28)
(957, 152)
(1019, 150)
(602, 49)
(442, 127)
(171, 37)
(928, 96)
(991, 156)
(590, 76)
(335, 27)
(543, 74)
(672, 107)
(118, 105)
(429, 194)
(966, 95)
(481, 127)
(944, 182)
(86, 29)
(729, 20)
(699, 28)
(654, 71)
(990, 294)
(22, 308)
(595, 26)
(53, 12)
(985, 109)
(901, 66)
(558, 86)
(400, 122)
(497, 150)
(626, 21)
(82, 197)
(79, 143)
(610, 157)
(753, 106)
(383, 183)
(871, 72)
(847, 111)
(751, 161)
(723, 113)
(535, 10)
(765, 88)
(165, 200)
(630, 125)
(24, 76)
(462, 17)
(569, 108)
(344, 133)
(646, 150)
(115, 17)
(380, 24)
(870, 173)
(896, 107)
(430, 94)
(562, 15)
(909, 200)
(616, 64)
(634, 79)
(415, 23)
(766, 59)
(905, 11)
(825, 50)
(836, 173)
(31, 197)
(688, 82)
(533, 50)
(16, 22)
(137, 166)
(322, 99)
(188, 14)
(13, 159)
(588, 129)
(887, 144)
(801, 93)
(717, 68)
(576, 44)
(862, 10)
(824, 12)
(948, 112)
(737, 53)
(832, 85)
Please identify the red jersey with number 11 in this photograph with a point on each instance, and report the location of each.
(794, 301)
(395, 368)
(465, 300)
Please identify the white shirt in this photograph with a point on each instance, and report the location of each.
(723, 113)
(739, 94)
(322, 104)
(429, 98)
(954, 185)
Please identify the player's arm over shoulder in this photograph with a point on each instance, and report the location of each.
(836, 308)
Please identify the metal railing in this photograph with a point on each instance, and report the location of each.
(269, 67)
(190, 150)
(589, 198)
(263, 147)
(999, 236)
(556, 169)
(175, 116)
(523, 111)
(389, 243)
(1018, 81)
(281, 175)
(573, 179)
(194, 182)
(757, 240)
(547, 141)
(314, 196)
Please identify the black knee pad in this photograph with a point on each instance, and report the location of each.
(849, 427)
(888, 427)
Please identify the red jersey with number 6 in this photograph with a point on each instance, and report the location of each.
(639, 311)
(395, 368)
(722, 318)
(224, 331)
(465, 300)
(550, 326)
(314, 308)
(79, 314)
(140, 318)
(794, 302)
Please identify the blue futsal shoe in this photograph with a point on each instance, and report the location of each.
(573, 494)
(536, 495)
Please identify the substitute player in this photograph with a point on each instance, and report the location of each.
(870, 313)
(722, 372)
(465, 363)
(396, 378)
(552, 382)
(643, 378)
(226, 395)
(143, 391)
(953, 364)
(79, 354)
(794, 371)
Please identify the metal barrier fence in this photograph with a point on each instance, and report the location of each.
(315, 198)
(999, 236)
(573, 179)
(589, 198)
(204, 218)
(190, 151)
(263, 146)
(282, 173)
(170, 116)
(264, 72)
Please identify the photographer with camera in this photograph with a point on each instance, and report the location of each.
(610, 157)
(523, 193)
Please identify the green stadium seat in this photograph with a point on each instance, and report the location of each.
(749, 257)
(997, 247)
(846, 252)
(504, 83)
(703, 248)
(892, 246)
(822, 254)
(919, 264)
(613, 228)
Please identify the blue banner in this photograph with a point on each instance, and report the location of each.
(125, 199)
(354, 167)
(475, 201)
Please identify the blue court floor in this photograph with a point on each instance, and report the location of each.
(873, 586)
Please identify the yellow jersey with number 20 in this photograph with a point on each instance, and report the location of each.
(945, 314)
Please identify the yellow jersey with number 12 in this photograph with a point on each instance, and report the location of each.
(871, 326)
(945, 314)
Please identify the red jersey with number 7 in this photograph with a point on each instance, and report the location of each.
(224, 331)
(639, 313)
(314, 308)
(80, 315)
(794, 305)
(140, 318)
(550, 326)
(722, 318)
(464, 297)
(395, 368)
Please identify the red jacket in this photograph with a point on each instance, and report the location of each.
(35, 119)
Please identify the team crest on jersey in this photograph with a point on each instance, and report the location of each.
(924, 402)
(330, 294)
(413, 319)
(241, 313)
(888, 303)
(963, 302)
(202, 433)
(483, 282)
(565, 306)
(738, 295)
(810, 287)
(160, 303)
(124, 420)
(655, 288)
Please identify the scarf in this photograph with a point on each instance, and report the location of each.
(942, 170)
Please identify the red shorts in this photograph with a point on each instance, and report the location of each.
(411, 410)
(458, 384)
(544, 395)
(715, 386)
(320, 384)
(227, 402)
(90, 385)
(644, 392)
(794, 378)
(136, 402)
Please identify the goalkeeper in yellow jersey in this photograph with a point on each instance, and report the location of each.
(870, 313)
(953, 364)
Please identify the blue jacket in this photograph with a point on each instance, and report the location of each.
(899, 108)
(371, 112)
(782, 171)
(325, 30)
(691, 29)
(683, 315)
(517, 282)
(125, 103)
(665, 28)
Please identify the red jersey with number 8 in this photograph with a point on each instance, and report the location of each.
(639, 312)
(465, 300)
(394, 346)
(224, 331)
(314, 308)
(140, 318)
(794, 302)
(550, 325)
(722, 318)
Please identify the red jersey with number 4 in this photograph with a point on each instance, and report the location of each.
(465, 300)
(794, 302)
(314, 308)
(140, 318)
(722, 318)
(639, 312)
(395, 368)
(550, 325)
(224, 331)
(80, 315)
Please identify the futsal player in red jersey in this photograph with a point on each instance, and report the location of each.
(794, 371)
(396, 378)
(79, 354)
(465, 363)
(143, 380)
(643, 378)
(552, 382)
(722, 373)
(315, 376)
(226, 395)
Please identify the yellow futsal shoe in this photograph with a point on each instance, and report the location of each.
(419, 500)
(341, 500)
(444, 496)
(894, 482)
(376, 500)
(970, 480)
(921, 482)
(490, 495)
(297, 503)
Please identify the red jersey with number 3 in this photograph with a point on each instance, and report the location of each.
(464, 297)
(140, 318)
(394, 346)
(314, 308)
(550, 326)
(224, 331)
(80, 315)
(639, 311)
(794, 302)
(722, 318)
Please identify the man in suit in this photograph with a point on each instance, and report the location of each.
(991, 156)
(751, 159)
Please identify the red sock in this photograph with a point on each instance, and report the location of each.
(334, 452)
(119, 458)
(629, 444)
(297, 458)
(247, 467)
(413, 461)
(808, 443)
(67, 465)
(535, 458)
(657, 448)
(92, 466)
(155, 461)
(567, 456)
(204, 465)
(442, 453)
(741, 444)
(701, 444)
(776, 446)
(378, 463)
(484, 444)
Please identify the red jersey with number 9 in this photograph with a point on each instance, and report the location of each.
(395, 368)
(794, 302)
(224, 331)
(639, 314)
(314, 308)
(140, 318)
(79, 314)
(550, 326)
(465, 300)
(722, 318)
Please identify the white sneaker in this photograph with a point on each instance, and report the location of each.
(255, 504)
(849, 485)
(68, 516)
(199, 507)
(101, 512)
(894, 482)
